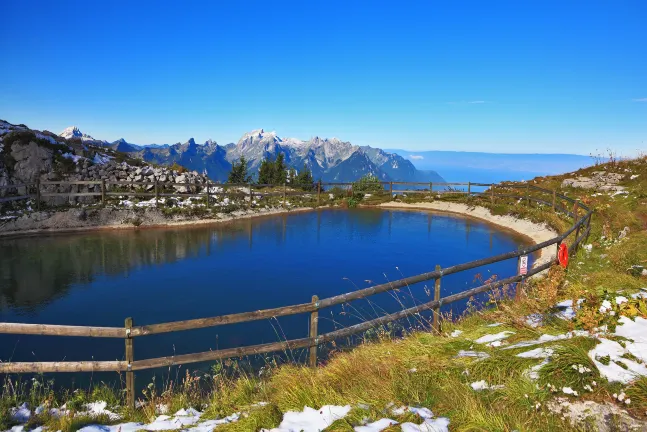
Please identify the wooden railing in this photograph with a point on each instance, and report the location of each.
(159, 190)
(580, 213)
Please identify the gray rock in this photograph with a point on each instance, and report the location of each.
(624, 233)
(31, 161)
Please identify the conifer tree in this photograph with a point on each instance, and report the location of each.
(239, 172)
(266, 172)
(280, 170)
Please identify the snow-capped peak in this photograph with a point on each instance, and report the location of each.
(74, 132)
(259, 134)
(294, 142)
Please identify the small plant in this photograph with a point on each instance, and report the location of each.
(179, 168)
(571, 367)
(368, 183)
(352, 202)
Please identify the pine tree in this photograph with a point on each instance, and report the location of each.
(304, 179)
(239, 172)
(266, 172)
(280, 174)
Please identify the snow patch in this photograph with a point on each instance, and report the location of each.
(311, 420)
(537, 353)
(477, 354)
(491, 338)
(611, 352)
(483, 385)
(376, 426)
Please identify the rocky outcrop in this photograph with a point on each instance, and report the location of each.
(31, 160)
(27, 156)
(599, 180)
(111, 171)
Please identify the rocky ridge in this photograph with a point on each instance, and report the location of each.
(28, 156)
(329, 159)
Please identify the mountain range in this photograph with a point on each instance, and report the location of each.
(329, 159)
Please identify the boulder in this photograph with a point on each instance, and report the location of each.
(31, 160)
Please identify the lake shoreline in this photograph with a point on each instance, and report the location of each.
(76, 221)
(534, 232)
(119, 220)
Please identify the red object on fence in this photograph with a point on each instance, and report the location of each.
(562, 255)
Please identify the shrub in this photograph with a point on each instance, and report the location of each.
(178, 168)
(368, 183)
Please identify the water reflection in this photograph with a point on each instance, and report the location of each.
(160, 275)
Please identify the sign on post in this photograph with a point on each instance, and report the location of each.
(523, 264)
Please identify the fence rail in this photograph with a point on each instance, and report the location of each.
(155, 189)
(581, 228)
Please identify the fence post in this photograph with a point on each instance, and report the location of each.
(554, 200)
(251, 195)
(492, 193)
(391, 189)
(103, 192)
(576, 243)
(588, 226)
(318, 193)
(314, 323)
(576, 207)
(436, 309)
(517, 292)
(469, 189)
(38, 195)
(284, 193)
(431, 188)
(130, 376)
(157, 194)
(528, 194)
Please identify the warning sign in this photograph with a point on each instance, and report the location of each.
(523, 265)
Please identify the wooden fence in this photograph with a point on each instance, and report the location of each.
(208, 190)
(580, 213)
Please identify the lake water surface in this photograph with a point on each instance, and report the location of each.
(161, 275)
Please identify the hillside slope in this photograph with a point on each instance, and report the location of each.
(569, 355)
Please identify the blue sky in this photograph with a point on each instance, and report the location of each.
(562, 76)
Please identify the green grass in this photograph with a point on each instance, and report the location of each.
(570, 366)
